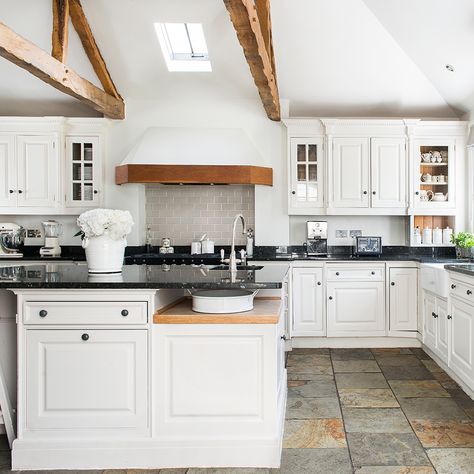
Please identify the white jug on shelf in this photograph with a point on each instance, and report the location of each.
(447, 233)
(437, 236)
(427, 236)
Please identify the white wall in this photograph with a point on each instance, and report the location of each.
(392, 229)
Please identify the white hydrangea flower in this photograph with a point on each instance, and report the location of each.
(115, 223)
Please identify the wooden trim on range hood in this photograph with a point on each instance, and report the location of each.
(193, 174)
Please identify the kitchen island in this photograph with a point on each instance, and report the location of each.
(111, 375)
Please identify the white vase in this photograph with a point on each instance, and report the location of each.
(103, 254)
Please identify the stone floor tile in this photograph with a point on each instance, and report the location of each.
(444, 434)
(367, 398)
(395, 470)
(420, 353)
(315, 461)
(433, 409)
(385, 360)
(309, 370)
(462, 398)
(351, 354)
(4, 460)
(392, 350)
(309, 350)
(452, 460)
(470, 412)
(220, 470)
(311, 386)
(314, 434)
(445, 380)
(375, 420)
(407, 373)
(299, 408)
(432, 366)
(350, 366)
(418, 388)
(309, 364)
(386, 449)
(361, 380)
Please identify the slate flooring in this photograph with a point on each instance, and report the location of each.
(363, 411)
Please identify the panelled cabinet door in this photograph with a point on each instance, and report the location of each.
(403, 299)
(388, 172)
(38, 171)
(308, 304)
(355, 308)
(442, 333)
(429, 325)
(86, 380)
(461, 357)
(307, 173)
(8, 170)
(350, 172)
(83, 169)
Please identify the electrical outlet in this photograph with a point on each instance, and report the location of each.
(341, 234)
(355, 233)
(33, 234)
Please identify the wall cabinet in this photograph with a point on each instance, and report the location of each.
(308, 303)
(403, 299)
(8, 171)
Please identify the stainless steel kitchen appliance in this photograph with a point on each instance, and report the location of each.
(370, 246)
(52, 231)
(12, 238)
(317, 238)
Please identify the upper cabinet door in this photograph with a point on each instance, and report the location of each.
(306, 173)
(388, 172)
(82, 171)
(434, 173)
(8, 194)
(37, 171)
(350, 172)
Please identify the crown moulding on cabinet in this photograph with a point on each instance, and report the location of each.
(193, 174)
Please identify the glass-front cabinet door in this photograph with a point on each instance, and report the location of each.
(83, 169)
(307, 174)
(434, 174)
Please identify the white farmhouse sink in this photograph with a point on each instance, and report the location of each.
(223, 301)
(435, 278)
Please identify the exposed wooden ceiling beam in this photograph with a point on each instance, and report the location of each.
(81, 25)
(38, 62)
(60, 29)
(254, 33)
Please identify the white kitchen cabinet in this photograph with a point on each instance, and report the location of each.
(81, 380)
(429, 320)
(355, 308)
(388, 173)
(8, 171)
(436, 325)
(461, 354)
(350, 172)
(443, 329)
(308, 302)
(83, 171)
(403, 296)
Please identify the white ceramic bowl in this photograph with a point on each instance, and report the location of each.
(223, 301)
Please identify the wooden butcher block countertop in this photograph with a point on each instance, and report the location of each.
(265, 311)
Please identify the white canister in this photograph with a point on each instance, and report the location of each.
(207, 246)
(437, 236)
(427, 236)
(447, 233)
(104, 254)
(196, 247)
(417, 236)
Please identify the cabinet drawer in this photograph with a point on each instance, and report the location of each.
(462, 290)
(85, 312)
(369, 273)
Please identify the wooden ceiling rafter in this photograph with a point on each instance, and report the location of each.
(252, 23)
(52, 68)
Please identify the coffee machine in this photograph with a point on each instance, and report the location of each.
(12, 238)
(52, 231)
(317, 238)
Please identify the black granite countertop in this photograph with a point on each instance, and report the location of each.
(76, 276)
(467, 269)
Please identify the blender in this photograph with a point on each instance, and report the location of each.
(52, 231)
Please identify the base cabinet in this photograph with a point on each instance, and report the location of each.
(308, 303)
(436, 325)
(80, 380)
(403, 296)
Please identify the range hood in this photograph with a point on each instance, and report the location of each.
(169, 155)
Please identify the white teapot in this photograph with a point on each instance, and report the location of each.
(426, 157)
(440, 197)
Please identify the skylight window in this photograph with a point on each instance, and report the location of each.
(184, 46)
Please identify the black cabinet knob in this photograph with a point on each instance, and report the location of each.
(85, 337)
(393, 283)
(95, 191)
(319, 283)
(468, 292)
(124, 312)
(365, 192)
(453, 286)
(11, 191)
(284, 338)
(372, 273)
(449, 316)
(417, 193)
(374, 192)
(330, 297)
(43, 313)
(337, 273)
(20, 191)
(293, 192)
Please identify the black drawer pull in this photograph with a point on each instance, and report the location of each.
(453, 286)
(372, 273)
(124, 312)
(283, 338)
(319, 283)
(85, 337)
(337, 273)
(43, 313)
(434, 314)
(449, 316)
(393, 283)
(468, 292)
(330, 297)
(11, 191)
